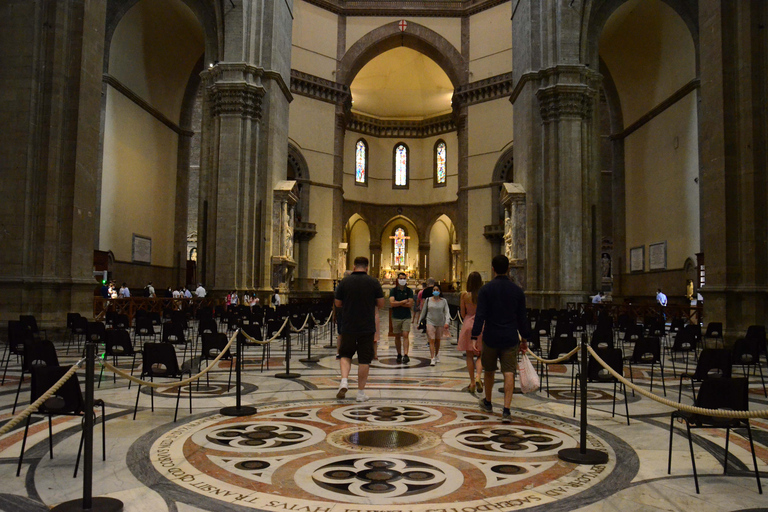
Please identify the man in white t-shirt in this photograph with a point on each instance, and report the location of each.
(661, 298)
(200, 292)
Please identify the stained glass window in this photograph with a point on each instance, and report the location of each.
(440, 168)
(361, 162)
(401, 165)
(399, 259)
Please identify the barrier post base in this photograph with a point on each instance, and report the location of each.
(288, 375)
(312, 359)
(577, 456)
(98, 504)
(244, 410)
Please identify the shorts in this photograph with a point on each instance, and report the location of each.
(401, 325)
(437, 331)
(507, 356)
(360, 343)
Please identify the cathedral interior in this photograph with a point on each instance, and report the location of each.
(259, 146)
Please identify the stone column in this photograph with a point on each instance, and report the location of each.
(245, 144)
(50, 88)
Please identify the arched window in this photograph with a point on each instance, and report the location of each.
(398, 248)
(400, 166)
(441, 168)
(361, 162)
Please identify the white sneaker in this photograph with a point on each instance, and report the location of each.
(343, 387)
(432, 362)
(362, 397)
(437, 359)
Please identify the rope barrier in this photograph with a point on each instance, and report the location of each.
(326, 320)
(270, 340)
(37, 403)
(553, 361)
(165, 384)
(302, 327)
(720, 413)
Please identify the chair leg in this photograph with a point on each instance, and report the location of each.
(725, 461)
(626, 401)
(661, 372)
(50, 435)
(7, 362)
(693, 461)
(24, 444)
(103, 433)
(754, 459)
(18, 391)
(613, 410)
(136, 407)
(79, 451)
(178, 395)
(761, 378)
(190, 395)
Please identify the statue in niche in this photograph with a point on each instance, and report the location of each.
(288, 231)
(508, 235)
(605, 265)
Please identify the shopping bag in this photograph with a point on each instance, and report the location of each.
(529, 379)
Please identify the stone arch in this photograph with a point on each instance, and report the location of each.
(598, 12)
(503, 172)
(299, 171)
(416, 37)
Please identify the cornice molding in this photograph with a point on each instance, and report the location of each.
(321, 89)
(493, 88)
(437, 8)
(401, 128)
(235, 99)
(143, 104)
(242, 72)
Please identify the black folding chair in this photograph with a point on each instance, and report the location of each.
(726, 393)
(118, 344)
(36, 353)
(18, 335)
(212, 345)
(159, 360)
(713, 363)
(68, 401)
(596, 373)
(647, 351)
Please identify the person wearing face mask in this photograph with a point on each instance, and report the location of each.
(401, 301)
(438, 315)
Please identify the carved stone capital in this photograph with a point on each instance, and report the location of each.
(235, 99)
(494, 232)
(566, 101)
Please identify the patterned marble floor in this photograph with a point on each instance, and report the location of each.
(420, 444)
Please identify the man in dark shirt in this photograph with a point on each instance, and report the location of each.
(400, 302)
(501, 309)
(358, 296)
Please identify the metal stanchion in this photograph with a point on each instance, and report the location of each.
(100, 503)
(309, 358)
(332, 324)
(287, 374)
(582, 455)
(238, 409)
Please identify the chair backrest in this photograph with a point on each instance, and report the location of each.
(273, 326)
(160, 360)
(657, 328)
(602, 337)
(80, 326)
(612, 357)
(39, 353)
(713, 363)
(561, 346)
(253, 330)
(154, 317)
(68, 399)
(647, 350)
(144, 326)
(121, 322)
(207, 325)
(714, 330)
(118, 343)
(757, 332)
(18, 334)
(173, 333)
(685, 340)
(634, 332)
(97, 332)
(71, 317)
(746, 351)
(676, 325)
(213, 344)
(728, 393)
(30, 322)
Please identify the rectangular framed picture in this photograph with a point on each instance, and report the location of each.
(637, 259)
(141, 249)
(657, 256)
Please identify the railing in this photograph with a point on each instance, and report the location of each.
(130, 305)
(693, 314)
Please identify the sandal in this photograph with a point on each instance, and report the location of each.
(471, 389)
(479, 385)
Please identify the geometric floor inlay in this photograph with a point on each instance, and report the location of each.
(320, 455)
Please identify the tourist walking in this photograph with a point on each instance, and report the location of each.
(502, 319)
(435, 310)
(401, 301)
(358, 296)
(471, 348)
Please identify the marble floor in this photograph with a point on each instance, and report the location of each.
(419, 444)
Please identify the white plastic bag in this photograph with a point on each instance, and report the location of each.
(529, 379)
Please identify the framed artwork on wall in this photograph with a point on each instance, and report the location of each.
(657, 256)
(141, 249)
(637, 259)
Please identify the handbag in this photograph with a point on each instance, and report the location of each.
(529, 380)
(423, 323)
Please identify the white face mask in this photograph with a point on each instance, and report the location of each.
(401, 282)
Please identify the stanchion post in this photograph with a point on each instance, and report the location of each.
(309, 358)
(582, 455)
(88, 502)
(238, 409)
(332, 324)
(287, 374)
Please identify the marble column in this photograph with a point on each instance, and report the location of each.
(245, 144)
